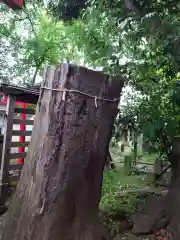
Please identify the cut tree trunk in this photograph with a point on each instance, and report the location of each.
(163, 212)
(58, 195)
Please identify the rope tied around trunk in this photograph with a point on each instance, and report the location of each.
(96, 98)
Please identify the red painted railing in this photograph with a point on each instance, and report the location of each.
(3, 101)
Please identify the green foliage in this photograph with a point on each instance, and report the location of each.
(141, 41)
(45, 45)
(157, 113)
(34, 37)
(13, 35)
(115, 197)
(121, 197)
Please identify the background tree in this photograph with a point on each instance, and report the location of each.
(32, 37)
(141, 39)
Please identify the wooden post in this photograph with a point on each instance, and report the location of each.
(157, 167)
(4, 173)
(135, 148)
(127, 165)
(22, 139)
(122, 147)
(1, 147)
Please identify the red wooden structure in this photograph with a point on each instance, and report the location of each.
(23, 105)
(13, 4)
(16, 99)
(17, 4)
(22, 128)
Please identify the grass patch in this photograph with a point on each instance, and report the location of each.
(120, 192)
(122, 195)
(121, 198)
(118, 156)
(149, 157)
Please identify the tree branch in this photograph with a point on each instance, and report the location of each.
(30, 21)
(38, 64)
(20, 19)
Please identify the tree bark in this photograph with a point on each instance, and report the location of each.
(163, 212)
(59, 191)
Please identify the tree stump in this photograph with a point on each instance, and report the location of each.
(59, 191)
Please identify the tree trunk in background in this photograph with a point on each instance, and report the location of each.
(164, 211)
(109, 162)
(58, 195)
(135, 148)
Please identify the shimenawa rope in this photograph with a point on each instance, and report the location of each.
(65, 90)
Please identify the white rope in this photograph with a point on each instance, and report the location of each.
(96, 102)
(77, 91)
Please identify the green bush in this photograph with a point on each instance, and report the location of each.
(120, 192)
(120, 199)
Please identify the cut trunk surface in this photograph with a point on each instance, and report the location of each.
(59, 191)
(163, 212)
